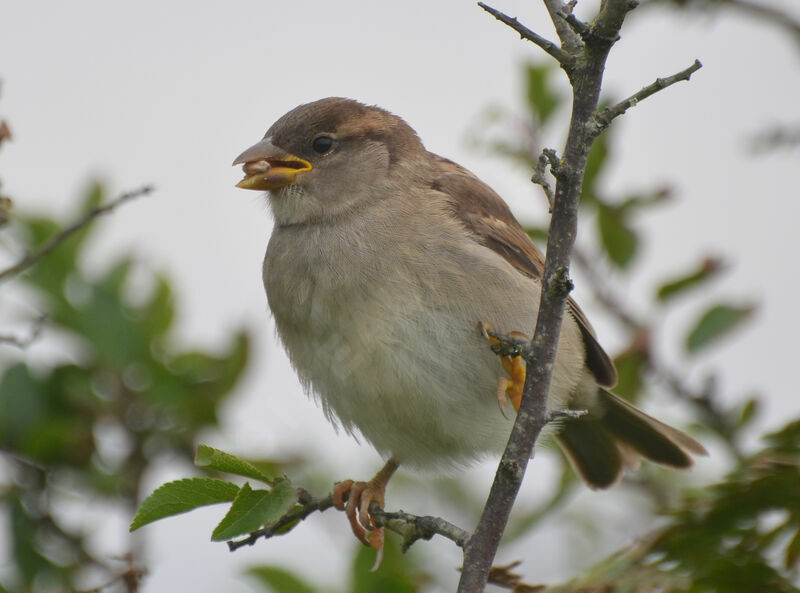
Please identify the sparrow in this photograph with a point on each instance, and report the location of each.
(387, 270)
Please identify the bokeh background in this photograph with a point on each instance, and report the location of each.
(170, 93)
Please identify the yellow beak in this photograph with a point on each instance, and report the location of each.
(268, 167)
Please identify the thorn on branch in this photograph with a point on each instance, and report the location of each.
(604, 118)
(561, 56)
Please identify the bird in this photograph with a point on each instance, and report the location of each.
(387, 269)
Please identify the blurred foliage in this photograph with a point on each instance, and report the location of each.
(741, 535)
(399, 573)
(90, 428)
(124, 396)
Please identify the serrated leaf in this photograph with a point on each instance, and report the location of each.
(619, 240)
(211, 458)
(707, 270)
(715, 323)
(180, 496)
(541, 97)
(279, 580)
(253, 508)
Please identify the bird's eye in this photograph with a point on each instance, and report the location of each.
(322, 144)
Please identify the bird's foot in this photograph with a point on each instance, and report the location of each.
(355, 498)
(507, 348)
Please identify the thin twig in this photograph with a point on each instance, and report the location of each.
(604, 117)
(308, 505)
(548, 46)
(414, 527)
(540, 178)
(548, 157)
(34, 333)
(570, 41)
(580, 28)
(410, 527)
(603, 293)
(31, 258)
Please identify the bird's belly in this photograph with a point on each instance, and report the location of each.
(417, 380)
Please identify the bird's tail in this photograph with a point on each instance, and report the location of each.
(615, 435)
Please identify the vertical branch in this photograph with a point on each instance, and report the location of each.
(586, 74)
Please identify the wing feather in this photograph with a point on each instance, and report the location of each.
(489, 219)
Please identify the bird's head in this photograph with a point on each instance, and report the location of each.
(326, 157)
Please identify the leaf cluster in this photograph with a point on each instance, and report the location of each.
(119, 395)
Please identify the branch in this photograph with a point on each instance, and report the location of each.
(410, 527)
(308, 505)
(31, 258)
(586, 78)
(570, 41)
(603, 118)
(548, 46)
(548, 157)
(413, 527)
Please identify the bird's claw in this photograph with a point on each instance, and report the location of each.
(514, 365)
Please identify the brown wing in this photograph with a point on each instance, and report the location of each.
(487, 216)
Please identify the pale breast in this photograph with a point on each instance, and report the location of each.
(389, 342)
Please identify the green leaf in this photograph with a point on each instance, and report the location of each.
(211, 458)
(594, 166)
(619, 240)
(159, 312)
(715, 323)
(94, 196)
(398, 572)
(792, 555)
(279, 580)
(538, 234)
(541, 97)
(707, 270)
(748, 412)
(253, 508)
(180, 496)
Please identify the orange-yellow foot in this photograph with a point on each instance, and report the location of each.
(511, 386)
(355, 498)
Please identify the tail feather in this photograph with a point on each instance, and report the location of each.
(592, 452)
(603, 444)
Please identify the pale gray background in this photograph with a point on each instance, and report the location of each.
(170, 93)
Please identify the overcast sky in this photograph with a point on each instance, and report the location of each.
(170, 93)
